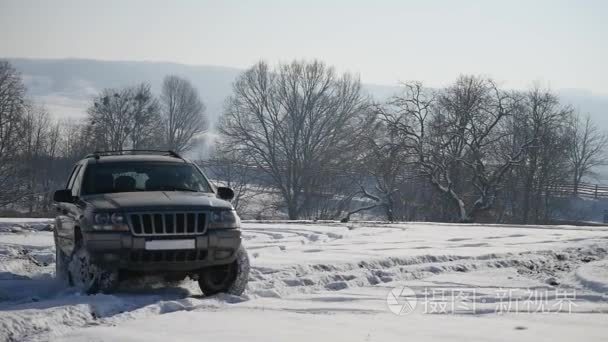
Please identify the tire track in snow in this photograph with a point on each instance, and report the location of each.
(543, 265)
(60, 311)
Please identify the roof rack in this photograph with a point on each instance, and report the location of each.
(99, 154)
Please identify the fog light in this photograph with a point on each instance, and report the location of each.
(223, 254)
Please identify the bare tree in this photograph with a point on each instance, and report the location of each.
(456, 135)
(12, 108)
(183, 113)
(54, 169)
(542, 119)
(235, 170)
(33, 160)
(35, 134)
(587, 148)
(12, 111)
(297, 123)
(387, 165)
(125, 118)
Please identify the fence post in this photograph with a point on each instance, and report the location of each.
(595, 194)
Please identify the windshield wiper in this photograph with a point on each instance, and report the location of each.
(177, 188)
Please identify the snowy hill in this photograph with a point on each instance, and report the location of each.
(67, 85)
(334, 282)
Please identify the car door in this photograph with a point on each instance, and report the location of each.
(70, 212)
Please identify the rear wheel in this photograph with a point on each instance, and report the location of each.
(88, 277)
(231, 278)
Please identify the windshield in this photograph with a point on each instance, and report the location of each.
(130, 177)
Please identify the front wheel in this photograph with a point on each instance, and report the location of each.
(231, 278)
(88, 277)
(61, 264)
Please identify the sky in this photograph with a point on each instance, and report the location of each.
(561, 44)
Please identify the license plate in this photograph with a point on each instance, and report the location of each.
(159, 245)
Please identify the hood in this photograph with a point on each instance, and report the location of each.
(156, 200)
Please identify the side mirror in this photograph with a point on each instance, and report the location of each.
(64, 195)
(225, 193)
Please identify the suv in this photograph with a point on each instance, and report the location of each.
(128, 213)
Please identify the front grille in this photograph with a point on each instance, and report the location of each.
(173, 223)
(167, 256)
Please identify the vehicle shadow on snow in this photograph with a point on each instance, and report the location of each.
(16, 288)
(45, 292)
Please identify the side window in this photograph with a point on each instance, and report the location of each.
(78, 181)
(72, 176)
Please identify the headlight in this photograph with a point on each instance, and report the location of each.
(117, 218)
(224, 219)
(102, 219)
(110, 221)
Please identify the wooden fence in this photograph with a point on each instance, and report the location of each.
(584, 190)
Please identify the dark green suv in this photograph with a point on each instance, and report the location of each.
(128, 213)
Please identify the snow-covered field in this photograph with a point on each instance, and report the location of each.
(335, 282)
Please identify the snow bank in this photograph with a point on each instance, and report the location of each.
(274, 324)
(17, 225)
(321, 281)
(594, 275)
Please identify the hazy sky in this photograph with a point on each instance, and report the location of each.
(563, 44)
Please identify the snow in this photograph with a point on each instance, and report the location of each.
(329, 281)
(277, 325)
(18, 225)
(594, 275)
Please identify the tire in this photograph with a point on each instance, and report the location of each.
(61, 265)
(88, 277)
(231, 279)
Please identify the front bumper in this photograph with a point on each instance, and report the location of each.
(122, 250)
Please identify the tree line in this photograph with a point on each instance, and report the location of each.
(302, 140)
(468, 152)
(37, 151)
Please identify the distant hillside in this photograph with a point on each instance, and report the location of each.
(66, 86)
